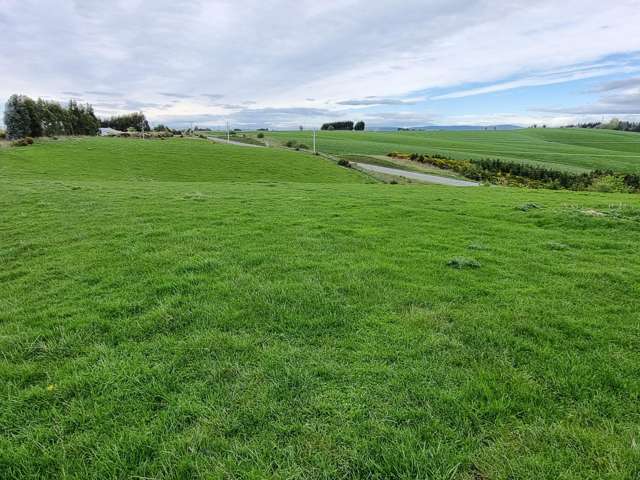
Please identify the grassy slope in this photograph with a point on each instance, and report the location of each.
(557, 148)
(179, 160)
(184, 329)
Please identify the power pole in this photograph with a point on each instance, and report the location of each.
(142, 126)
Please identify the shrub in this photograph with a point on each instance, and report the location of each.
(303, 146)
(260, 135)
(462, 262)
(403, 156)
(22, 142)
(632, 182)
(609, 183)
(291, 144)
(344, 163)
(3, 134)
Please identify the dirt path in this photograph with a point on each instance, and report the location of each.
(423, 177)
(231, 142)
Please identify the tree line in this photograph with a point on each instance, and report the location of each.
(613, 124)
(131, 121)
(348, 125)
(25, 117)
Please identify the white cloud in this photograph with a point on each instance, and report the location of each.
(291, 55)
(543, 79)
(374, 101)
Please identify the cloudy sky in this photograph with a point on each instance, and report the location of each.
(284, 63)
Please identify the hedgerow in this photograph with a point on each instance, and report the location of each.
(502, 172)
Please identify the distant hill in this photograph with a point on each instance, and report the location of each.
(446, 127)
(557, 148)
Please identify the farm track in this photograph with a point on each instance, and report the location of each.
(424, 177)
(231, 142)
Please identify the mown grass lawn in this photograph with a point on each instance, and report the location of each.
(209, 329)
(561, 149)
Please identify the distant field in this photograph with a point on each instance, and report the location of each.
(570, 149)
(180, 309)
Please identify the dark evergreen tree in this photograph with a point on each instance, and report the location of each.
(17, 117)
(338, 126)
(135, 121)
(35, 121)
(28, 118)
(53, 118)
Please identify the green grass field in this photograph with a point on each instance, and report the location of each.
(180, 309)
(179, 160)
(569, 149)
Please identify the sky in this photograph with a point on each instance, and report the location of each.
(284, 63)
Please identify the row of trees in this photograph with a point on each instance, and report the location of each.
(613, 124)
(25, 117)
(349, 125)
(131, 121)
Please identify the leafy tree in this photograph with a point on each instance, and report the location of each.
(359, 126)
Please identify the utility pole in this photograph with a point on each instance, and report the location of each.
(142, 126)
